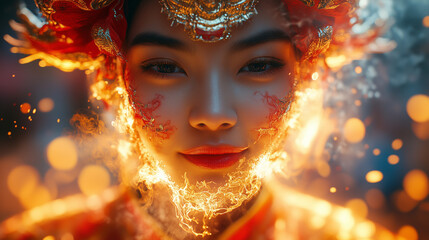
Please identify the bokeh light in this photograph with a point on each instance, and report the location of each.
(25, 108)
(358, 207)
(376, 152)
(418, 108)
(323, 168)
(46, 105)
(393, 159)
(62, 153)
(364, 230)
(93, 179)
(386, 235)
(416, 184)
(403, 202)
(354, 130)
(336, 61)
(408, 232)
(421, 130)
(38, 196)
(22, 181)
(315, 76)
(358, 70)
(426, 21)
(374, 176)
(397, 144)
(375, 198)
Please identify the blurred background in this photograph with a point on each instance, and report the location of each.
(388, 182)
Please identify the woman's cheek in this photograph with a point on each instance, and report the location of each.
(274, 110)
(148, 113)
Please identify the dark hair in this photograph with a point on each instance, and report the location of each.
(130, 9)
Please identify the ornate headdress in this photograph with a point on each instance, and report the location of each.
(89, 35)
(209, 20)
(80, 34)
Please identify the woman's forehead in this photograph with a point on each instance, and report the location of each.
(149, 18)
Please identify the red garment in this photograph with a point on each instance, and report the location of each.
(75, 27)
(278, 213)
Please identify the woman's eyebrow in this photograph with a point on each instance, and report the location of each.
(260, 38)
(151, 38)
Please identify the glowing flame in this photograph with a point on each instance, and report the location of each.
(308, 133)
(202, 199)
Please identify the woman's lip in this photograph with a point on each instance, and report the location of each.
(213, 150)
(214, 157)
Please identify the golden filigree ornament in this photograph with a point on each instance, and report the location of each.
(325, 4)
(320, 43)
(209, 20)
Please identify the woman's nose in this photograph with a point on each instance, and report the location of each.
(212, 106)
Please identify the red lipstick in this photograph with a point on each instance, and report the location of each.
(214, 157)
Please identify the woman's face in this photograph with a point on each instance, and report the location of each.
(214, 98)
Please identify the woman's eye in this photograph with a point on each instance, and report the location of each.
(162, 68)
(260, 66)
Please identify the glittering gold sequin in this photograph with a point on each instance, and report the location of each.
(309, 3)
(330, 4)
(104, 41)
(209, 16)
(321, 42)
(47, 10)
(325, 4)
(97, 4)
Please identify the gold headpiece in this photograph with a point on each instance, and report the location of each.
(209, 20)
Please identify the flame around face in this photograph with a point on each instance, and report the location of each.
(198, 203)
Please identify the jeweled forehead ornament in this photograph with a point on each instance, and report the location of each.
(209, 20)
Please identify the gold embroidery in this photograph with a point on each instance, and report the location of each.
(97, 4)
(104, 41)
(330, 4)
(309, 3)
(321, 42)
(210, 17)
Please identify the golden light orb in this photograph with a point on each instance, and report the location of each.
(46, 105)
(38, 196)
(375, 198)
(418, 108)
(376, 152)
(25, 108)
(358, 207)
(62, 153)
(374, 176)
(403, 202)
(386, 235)
(22, 181)
(393, 159)
(336, 61)
(364, 230)
(354, 130)
(93, 179)
(323, 168)
(358, 69)
(397, 144)
(421, 130)
(315, 76)
(407, 232)
(426, 21)
(416, 184)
